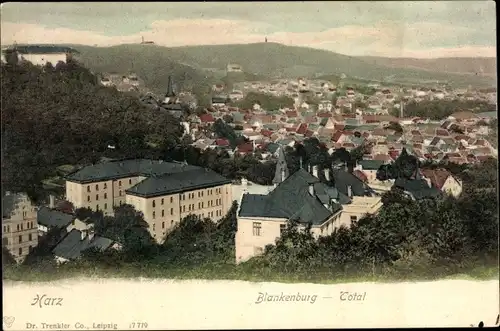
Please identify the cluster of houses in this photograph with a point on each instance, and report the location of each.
(382, 100)
(461, 138)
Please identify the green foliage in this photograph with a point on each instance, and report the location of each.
(266, 101)
(441, 109)
(58, 116)
(7, 258)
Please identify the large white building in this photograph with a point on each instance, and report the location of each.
(41, 54)
(304, 197)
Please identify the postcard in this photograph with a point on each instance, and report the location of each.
(249, 165)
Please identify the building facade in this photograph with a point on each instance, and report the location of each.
(325, 201)
(19, 225)
(42, 54)
(164, 192)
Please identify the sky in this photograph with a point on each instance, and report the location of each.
(423, 29)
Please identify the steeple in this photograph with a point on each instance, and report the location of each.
(170, 96)
(281, 168)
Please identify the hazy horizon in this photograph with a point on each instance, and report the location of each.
(388, 29)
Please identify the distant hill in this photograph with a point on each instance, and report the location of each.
(459, 65)
(193, 66)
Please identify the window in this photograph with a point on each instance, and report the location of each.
(20, 251)
(154, 216)
(88, 188)
(97, 197)
(183, 197)
(199, 205)
(105, 195)
(105, 206)
(171, 211)
(190, 207)
(163, 225)
(202, 194)
(30, 238)
(88, 198)
(97, 187)
(171, 222)
(8, 228)
(121, 202)
(162, 213)
(171, 199)
(256, 228)
(202, 204)
(154, 227)
(24, 214)
(32, 224)
(120, 193)
(130, 181)
(20, 239)
(18, 227)
(184, 208)
(282, 228)
(162, 201)
(22, 227)
(154, 203)
(119, 183)
(97, 207)
(105, 186)
(354, 218)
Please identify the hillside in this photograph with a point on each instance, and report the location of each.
(470, 66)
(193, 66)
(60, 116)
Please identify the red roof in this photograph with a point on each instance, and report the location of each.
(309, 133)
(302, 128)
(245, 148)
(221, 142)
(324, 115)
(290, 129)
(361, 175)
(290, 114)
(336, 136)
(207, 118)
(266, 133)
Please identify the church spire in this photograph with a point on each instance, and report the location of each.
(281, 167)
(170, 88)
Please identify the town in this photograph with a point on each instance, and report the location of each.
(264, 159)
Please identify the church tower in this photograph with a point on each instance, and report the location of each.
(281, 168)
(170, 97)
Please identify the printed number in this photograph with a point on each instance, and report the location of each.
(138, 325)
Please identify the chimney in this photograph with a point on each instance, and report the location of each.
(349, 191)
(327, 173)
(315, 171)
(52, 201)
(311, 189)
(91, 233)
(283, 175)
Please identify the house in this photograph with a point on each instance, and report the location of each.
(49, 219)
(369, 168)
(165, 192)
(42, 54)
(76, 242)
(262, 218)
(443, 180)
(19, 225)
(303, 197)
(417, 188)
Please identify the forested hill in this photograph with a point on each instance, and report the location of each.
(59, 115)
